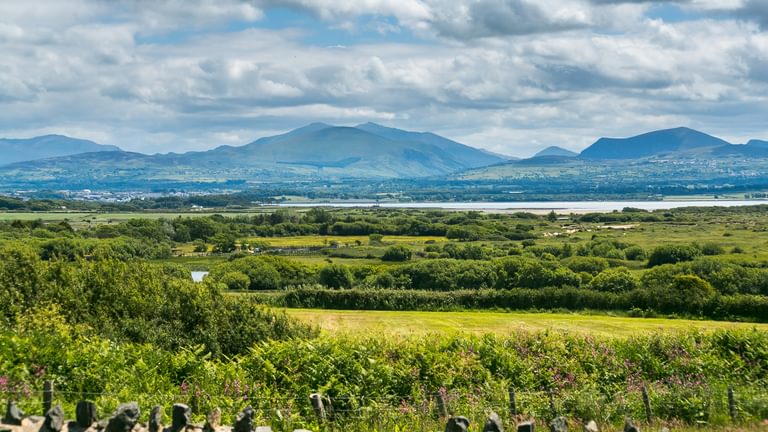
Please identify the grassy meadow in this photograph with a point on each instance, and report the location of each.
(417, 323)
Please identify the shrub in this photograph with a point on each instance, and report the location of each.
(671, 254)
(397, 253)
(635, 253)
(712, 249)
(336, 276)
(236, 281)
(614, 280)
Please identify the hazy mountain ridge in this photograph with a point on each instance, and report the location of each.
(14, 150)
(317, 150)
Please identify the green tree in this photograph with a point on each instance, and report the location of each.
(552, 216)
(336, 276)
(397, 253)
(614, 280)
(671, 254)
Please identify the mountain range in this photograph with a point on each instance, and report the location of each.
(322, 151)
(317, 150)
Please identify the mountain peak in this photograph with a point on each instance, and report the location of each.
(555, 151)
(46, 146)
(651, 144)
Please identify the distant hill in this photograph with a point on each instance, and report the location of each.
(758, 143)
(555, 151)
(47, 146)
(651, 144)
(314, 151)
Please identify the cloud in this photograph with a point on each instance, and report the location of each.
(511, 76)
(755, 10)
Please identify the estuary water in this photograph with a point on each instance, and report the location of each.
(538, 206)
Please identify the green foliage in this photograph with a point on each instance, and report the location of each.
(132, 301)
(635, 253)
(614, 280)
(685, 373)
(591, 265)
(397, 253)
(336, 276)
(671, 254)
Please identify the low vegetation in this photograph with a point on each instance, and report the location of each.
(109, 308)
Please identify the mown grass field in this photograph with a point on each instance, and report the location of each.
(420, 323)
(320, 241)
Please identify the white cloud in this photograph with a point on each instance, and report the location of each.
(510, 76)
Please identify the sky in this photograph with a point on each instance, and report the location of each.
(511, 76)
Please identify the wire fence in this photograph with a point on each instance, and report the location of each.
(318, 412)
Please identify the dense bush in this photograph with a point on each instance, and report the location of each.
(671, 254)
(336, 276)
(136, 301)
(397, 253)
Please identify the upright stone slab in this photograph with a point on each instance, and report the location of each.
(558, 424)
(155, 423)
(54, 420)
(629, 426)
(244, 420)
(457, 424)
(526, 426)
(124, 418)
(212, 420)
(13, 414)
(85, 414)
(493, 424)
(180, 417)
(591, 427)
(316, 399)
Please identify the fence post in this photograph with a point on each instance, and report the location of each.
(442, 409)
(732, 404)
(512, 403)
(647, 403)
(47, 396)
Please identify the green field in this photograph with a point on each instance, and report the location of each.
(320, 240)
(419, 323)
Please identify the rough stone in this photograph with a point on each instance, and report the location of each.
(664, 429)
(591, 427)
(212, 420)
(493, 424)
(155, 423)
(263, 429)
(180, 417)
(629, 426)
(54, 420)
(85, 414)
(526, 426)
(124, 418)
(13, 414)
(457, 424)
(244, 420)
(302, 430)
(558, 424)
